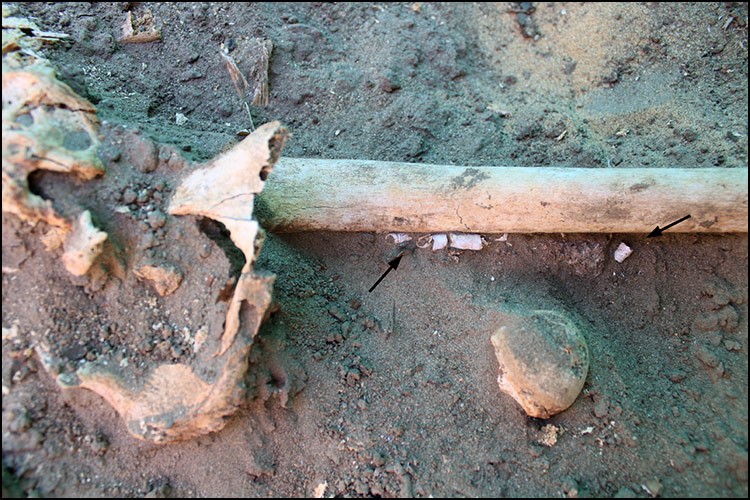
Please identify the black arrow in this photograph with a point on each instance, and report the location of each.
(657, 232)
(391, 265)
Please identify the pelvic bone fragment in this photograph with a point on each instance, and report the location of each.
(176, 401)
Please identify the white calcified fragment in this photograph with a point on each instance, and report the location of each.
(320, 490)
(463, 241)
(623, 252)
(439, 241)
(397, 238)
(83, 246)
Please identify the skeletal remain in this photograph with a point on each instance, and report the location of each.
(380, 196)
(224, 191)
(83, 245)
(543, 361)
(46, 126)
(179, 401)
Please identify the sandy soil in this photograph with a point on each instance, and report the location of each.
(394, 393)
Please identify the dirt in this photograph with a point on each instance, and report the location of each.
(394, 392)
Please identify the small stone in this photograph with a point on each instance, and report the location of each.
(388, 85)
(361, 488)
(336, 313)
(707, 357)
(166, 279)
(100, 445)
(601, 408)
(334, 338)
(677, 376)
(625, 492)
(652, 487)
(346, 328)
(352, 376)
(129, 196)
(549, 435)
(157, 219)
(19, 420)
(731, 345)
(570, 487)
(180, 119)
(143, 154)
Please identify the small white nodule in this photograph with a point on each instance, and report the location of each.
(439, 241)
(397, 238)
(623, 252)
(465, 241)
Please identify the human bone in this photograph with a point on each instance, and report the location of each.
(47, 126)
(177, 401)
(83, 245)
(543, 359)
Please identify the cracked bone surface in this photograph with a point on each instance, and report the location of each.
(385, 197)
(544, 360)
(177, 401)
(47, 126)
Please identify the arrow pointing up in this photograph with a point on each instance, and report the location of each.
(391, 265)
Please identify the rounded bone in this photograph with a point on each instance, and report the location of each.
(543, 360)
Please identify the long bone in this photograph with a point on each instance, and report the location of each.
(359, 195)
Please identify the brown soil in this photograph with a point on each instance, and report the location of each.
(394, 392)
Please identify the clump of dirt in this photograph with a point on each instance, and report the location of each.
(394, 392)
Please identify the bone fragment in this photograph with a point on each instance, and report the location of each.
(377, 196)
(83, 245)
(544, 360)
